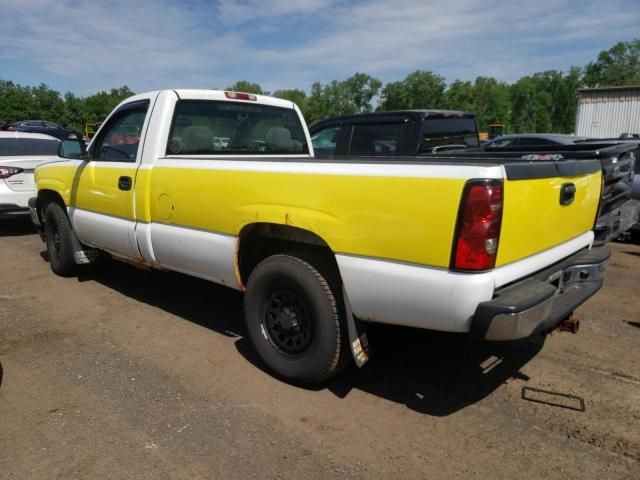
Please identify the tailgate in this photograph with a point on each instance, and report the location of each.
(540, 211)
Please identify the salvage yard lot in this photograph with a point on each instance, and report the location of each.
(124, 373)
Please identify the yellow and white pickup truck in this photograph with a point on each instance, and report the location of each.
(224, 186)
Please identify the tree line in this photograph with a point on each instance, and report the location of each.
(542, 102)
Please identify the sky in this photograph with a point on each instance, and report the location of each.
(88, 46)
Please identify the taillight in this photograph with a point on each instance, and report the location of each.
(475, 245)
(241, 96)
(10, 128)
(6, 172)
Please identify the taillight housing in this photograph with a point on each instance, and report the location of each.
(475, 245)
(6, 172)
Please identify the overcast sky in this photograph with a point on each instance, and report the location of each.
(86, 46)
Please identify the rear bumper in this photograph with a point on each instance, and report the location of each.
(11, 210)
(13, 202)
(540, 302)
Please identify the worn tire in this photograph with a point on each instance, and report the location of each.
(287, 296)
(58, 234)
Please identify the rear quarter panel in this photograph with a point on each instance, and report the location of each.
(408, 219)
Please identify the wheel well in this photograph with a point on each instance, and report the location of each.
(261, 240)
(45, 197)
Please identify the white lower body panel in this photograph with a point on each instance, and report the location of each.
(113, 234)
(436, 299)
(202, 254)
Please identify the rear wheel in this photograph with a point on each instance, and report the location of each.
(58, 234)
(294, 320)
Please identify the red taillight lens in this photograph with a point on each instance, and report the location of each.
(478, 230)
(241, 96)
(6, 172)
(10, 128)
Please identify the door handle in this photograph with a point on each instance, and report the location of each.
(124, 183)
(567, 193)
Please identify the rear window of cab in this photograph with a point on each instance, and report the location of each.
(13, 147)
(203, 127)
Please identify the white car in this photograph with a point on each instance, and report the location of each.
(20, 154)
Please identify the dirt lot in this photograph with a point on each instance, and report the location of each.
(125, 373)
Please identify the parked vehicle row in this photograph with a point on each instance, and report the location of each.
(499, 248)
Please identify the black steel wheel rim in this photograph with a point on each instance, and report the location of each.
(54, 241)
(287, 321)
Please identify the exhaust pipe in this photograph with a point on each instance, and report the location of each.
(570, 324)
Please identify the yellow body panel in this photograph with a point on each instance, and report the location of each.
(533, 219)
(90, 186)
(405, 219)
(98, 190)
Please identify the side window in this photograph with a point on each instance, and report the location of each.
(205, 127)
(505, 142)
(119, 139)
(375, 139)
(325, 141)
(534, 142)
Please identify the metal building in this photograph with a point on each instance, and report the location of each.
(608, 112)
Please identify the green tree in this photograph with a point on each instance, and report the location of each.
(531, 106)
(620, 65)
(419, 89)
(16, 102)
(247, 87)
(460, 96)
(96, 107)
(299, 97)
(46, 104)
(317, 104)
(361, 89)
(492, 103)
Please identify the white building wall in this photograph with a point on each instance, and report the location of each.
(608, 113)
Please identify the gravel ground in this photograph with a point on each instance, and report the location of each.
(124, 373)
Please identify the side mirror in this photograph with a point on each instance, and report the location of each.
(71, 148)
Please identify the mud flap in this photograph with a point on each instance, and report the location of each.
(358, 341)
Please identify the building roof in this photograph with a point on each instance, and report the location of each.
(610, 89)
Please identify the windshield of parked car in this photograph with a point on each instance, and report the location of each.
(202, 127)
(448, 131)
(12, 147)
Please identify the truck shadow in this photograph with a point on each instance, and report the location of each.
(15, 227)
(430, 372)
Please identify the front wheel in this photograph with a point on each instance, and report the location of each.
(58, 235)
(294, 320)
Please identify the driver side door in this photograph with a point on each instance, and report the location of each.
(102, 193)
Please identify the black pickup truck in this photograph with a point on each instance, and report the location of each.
(437, 132)
(399, 133)
(618, 211)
